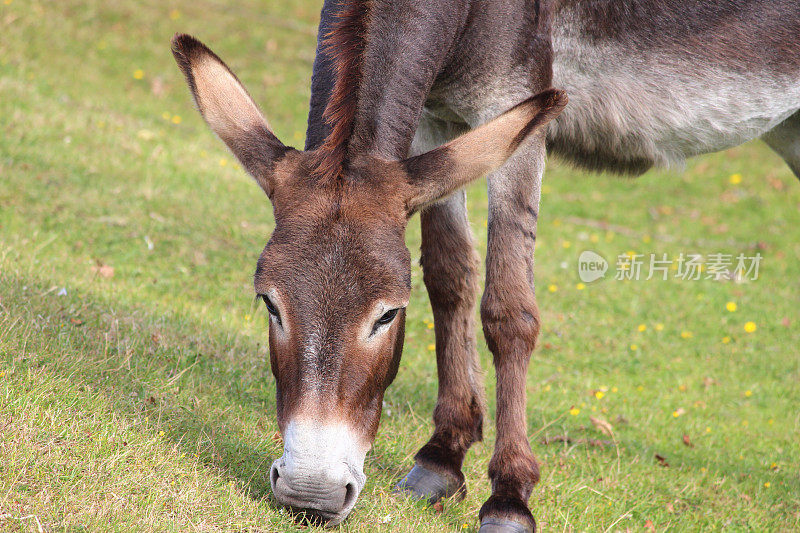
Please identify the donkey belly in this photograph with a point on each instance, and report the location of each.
(631, 109)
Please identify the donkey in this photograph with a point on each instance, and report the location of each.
(412, 100)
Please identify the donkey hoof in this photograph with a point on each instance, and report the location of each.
(499, 525)
(425, 484)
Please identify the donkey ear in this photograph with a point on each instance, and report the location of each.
(441, 171)
(229, 110)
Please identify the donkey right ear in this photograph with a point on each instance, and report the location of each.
(229, 110)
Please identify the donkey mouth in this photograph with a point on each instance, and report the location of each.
(321, 471)
(322, 503)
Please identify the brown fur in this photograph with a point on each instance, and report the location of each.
(450, 266)
(345, 45)
(338, 251)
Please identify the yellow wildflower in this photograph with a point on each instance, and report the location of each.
(750, 327)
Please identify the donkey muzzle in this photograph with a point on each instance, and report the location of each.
(321, 472)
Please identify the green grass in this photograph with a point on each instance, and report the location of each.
(144, 401)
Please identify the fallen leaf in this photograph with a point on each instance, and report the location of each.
(785, 322)
(103, 270)
(776, 184)
(438, 507)
(157, 86)
(670, 508)
(662, 461)
(589, 442)
(708, 381)
(76, 321)
(687, 441)
(648, 525)
(276, 437)
(602, 426)
(621, 420)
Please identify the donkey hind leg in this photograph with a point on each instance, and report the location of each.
(510, 320)
(450, 267)
(784, 139)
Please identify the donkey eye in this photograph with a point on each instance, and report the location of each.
(271, 308)
(387, 317)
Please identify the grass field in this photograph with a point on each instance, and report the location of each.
(135, 391)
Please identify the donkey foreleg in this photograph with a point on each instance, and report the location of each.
(511, 326)
(450, 267)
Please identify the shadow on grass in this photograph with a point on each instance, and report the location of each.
(206, 385)
(209, 390)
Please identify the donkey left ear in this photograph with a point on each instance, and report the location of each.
(229, 110)
(443, 170)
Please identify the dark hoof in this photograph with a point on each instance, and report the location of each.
(425, 484)
(499, 525)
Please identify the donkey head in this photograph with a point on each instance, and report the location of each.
(335, 275)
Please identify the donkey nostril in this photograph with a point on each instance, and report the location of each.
(350, 495)
(274, 475)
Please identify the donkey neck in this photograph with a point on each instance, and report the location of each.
(407, 45)
(375, 65)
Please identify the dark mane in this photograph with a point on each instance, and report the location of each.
(345, 45)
